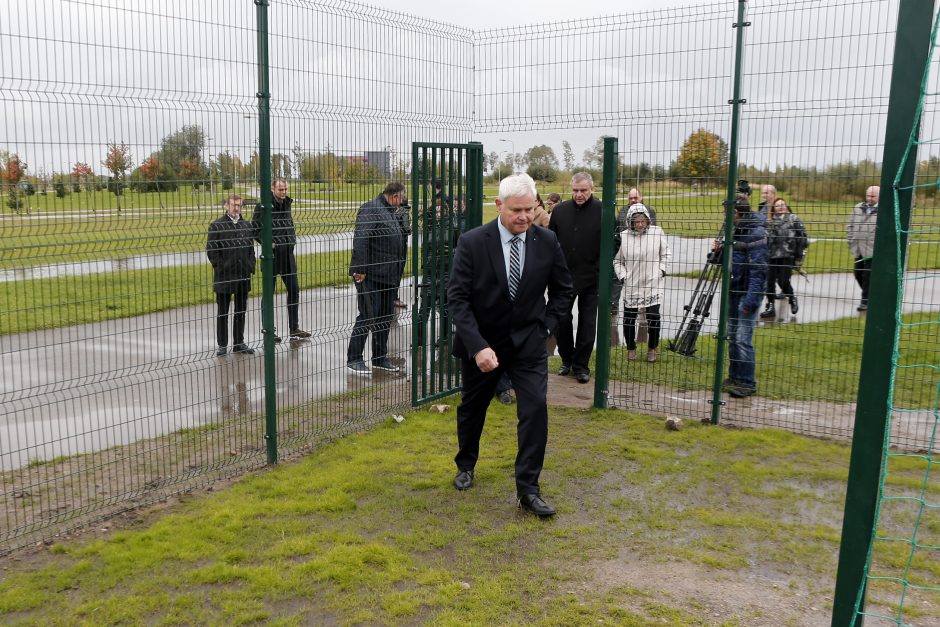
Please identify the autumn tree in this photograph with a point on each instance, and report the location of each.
(118, 162)
(12, 170)
(543, 164)
(82, 174)
(192, 171)
(703, 159)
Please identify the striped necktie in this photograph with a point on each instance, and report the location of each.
(515, 268)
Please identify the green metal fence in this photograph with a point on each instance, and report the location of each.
(132, 126)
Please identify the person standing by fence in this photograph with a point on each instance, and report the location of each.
(376, 268)
(786, 245)
(577, 224)
(284, 239)
(748, 283)
(640, 265)
(861, 237)
(231, 252)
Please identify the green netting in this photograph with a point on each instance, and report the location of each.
(902, 569)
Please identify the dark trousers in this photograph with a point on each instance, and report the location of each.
(528, 368)
(376, 303)
(285, 266)
(779, 271)
(863, 274)
(576, 352)
(224, 302)
(652, 323)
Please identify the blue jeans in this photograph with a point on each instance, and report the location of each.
(741, 345)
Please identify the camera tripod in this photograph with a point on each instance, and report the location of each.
(699, 307)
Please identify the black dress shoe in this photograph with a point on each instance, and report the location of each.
(564, 371)
(244, 349)
(582, 377)
(534, 504)
(221, 351)
(463, 480)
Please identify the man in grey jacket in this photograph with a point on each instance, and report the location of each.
(376, 267)
(861, 238)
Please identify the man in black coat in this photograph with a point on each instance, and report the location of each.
(496, 299)
(376, 267)
(285, 264)
(231, 252)
(577, 223)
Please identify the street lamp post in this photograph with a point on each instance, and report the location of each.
(512, 155)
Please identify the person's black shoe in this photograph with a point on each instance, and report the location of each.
(564, 371)
(221, 351)
(582, 377)
(505, 397)
(742, 391)
(385, 364)
(299, 334)
(243, 349)
(794, 305)
(463, 480)
(534, 504)
(769, 312)
(358, 367)
(862, 306)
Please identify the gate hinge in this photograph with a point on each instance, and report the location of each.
(741, 101)
(736, 24)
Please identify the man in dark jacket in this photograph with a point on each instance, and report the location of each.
(376, 267)
(232, 255)
(748, 281)
(577, 224)
(285, 264)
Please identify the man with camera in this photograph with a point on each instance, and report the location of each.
(748, 280)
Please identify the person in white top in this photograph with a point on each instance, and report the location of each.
(642, 263)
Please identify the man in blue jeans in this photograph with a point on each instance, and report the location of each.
(748, 278)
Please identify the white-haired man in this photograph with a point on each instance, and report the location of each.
(496, 299)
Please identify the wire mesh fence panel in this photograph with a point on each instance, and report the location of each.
(355, 86)
(900, 574)
(124, 132)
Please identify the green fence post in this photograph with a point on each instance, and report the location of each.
(608, 210)
(735, 102)
(474, 184)
(911, 55)
(267, 250)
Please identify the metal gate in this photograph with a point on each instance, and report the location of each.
(447, 200)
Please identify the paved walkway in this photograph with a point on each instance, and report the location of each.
(90, 387)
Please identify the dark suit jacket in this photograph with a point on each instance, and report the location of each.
(379, 243)
(478, 290)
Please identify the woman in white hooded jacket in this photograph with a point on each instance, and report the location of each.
(641, 263)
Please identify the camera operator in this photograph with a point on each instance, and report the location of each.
(748, 281)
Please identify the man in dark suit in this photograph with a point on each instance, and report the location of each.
(496, 299)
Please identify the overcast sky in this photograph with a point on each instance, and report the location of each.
(483, 14)
(353, 78)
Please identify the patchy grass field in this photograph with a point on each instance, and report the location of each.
(705, 526)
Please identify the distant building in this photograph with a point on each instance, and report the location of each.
(379, 159)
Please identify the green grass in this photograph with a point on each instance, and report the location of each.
(818, 360)
(368, 530)
(83, 299)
